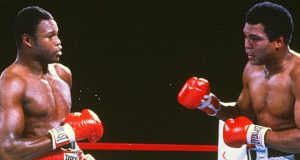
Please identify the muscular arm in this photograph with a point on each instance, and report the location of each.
(286, 141)
(12, 144)
(289, 140)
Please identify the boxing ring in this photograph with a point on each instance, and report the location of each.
(221, 150)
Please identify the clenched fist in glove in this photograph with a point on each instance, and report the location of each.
(195, 94)
(240, 130)
(77, 126)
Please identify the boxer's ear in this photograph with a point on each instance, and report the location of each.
(279, 42)
(27, 40)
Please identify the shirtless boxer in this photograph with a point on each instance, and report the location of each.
(271, 88)
(35, 98)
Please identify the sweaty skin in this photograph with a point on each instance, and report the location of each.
(34, 96)
(271, 89)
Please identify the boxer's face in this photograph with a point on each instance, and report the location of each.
(257, 45)
(47, 44)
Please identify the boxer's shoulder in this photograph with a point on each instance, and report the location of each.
(14, 70)
(250, 68)
(13, 87)
(61, 71)
(14, 75)
(292, 68)
(253, 72)
(59, 68)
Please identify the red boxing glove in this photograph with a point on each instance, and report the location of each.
(196, 94)
(86, 125)
(241, 130)
(77, 126)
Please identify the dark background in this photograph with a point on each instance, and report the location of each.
(129, 59)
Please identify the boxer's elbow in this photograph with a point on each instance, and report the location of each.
(8, 151)
(296, 149)
(5, 153)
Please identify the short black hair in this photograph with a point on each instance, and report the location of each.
(27, 20)
(275, 18)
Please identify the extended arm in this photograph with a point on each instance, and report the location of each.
(195, 94)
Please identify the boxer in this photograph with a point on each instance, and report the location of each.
(35, 98)
(271, 88)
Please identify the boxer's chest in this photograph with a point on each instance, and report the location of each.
(272, 97)
(48, 97)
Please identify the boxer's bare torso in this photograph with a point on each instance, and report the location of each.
(273, 101)
(271, 94)
(46, 99)
(31, 104)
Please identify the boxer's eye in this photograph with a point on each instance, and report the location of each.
(255, 38)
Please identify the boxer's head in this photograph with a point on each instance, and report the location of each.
(276, 19)
(27, 20)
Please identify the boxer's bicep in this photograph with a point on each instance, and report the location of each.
(11, 110)
(297, 112)
(244, 100)
(295, 88)
(244, 104)
(13, 119)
